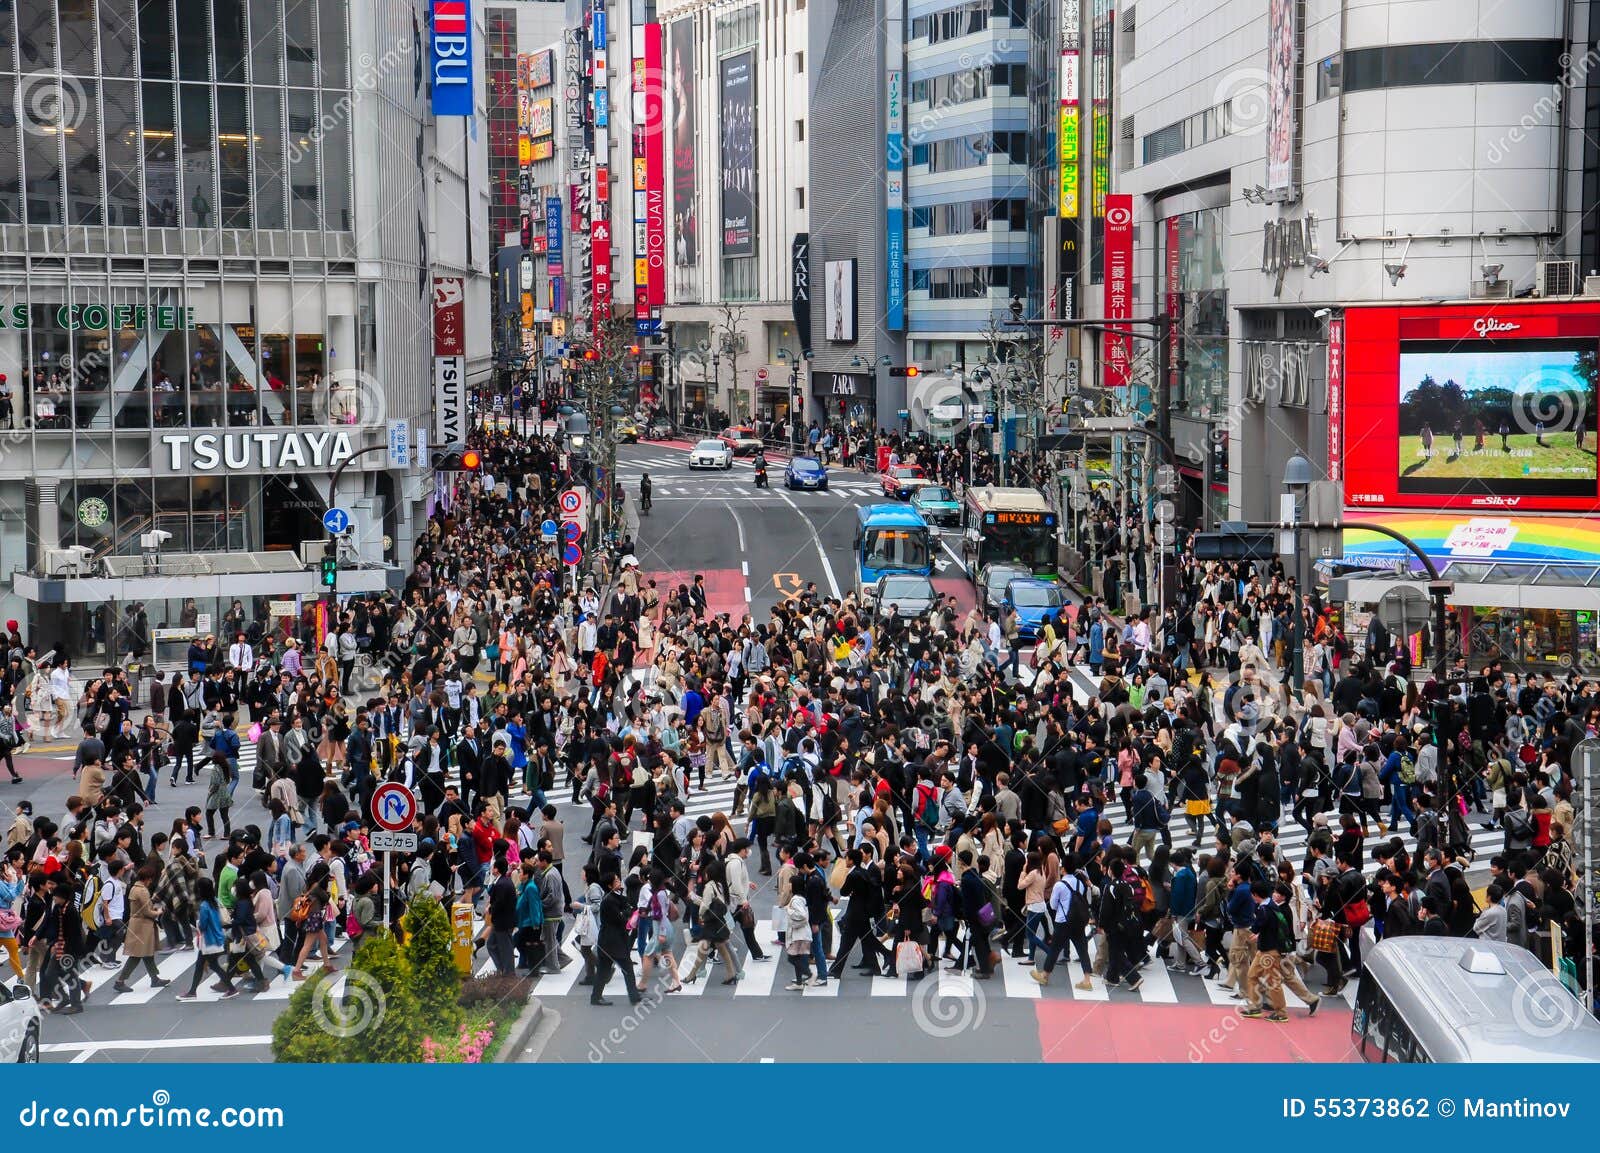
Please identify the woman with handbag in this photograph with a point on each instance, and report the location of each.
(212, 943)
(715, 929)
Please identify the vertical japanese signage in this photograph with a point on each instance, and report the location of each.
(1174, 305)
(449, 359)
(1071, 16)
(738, 75)
(894, 316)
(1336, 398)
(555, 256)
(450, 57)
(600, 201)
(1118, 248)
(1101, 86)
(649, 172)
(685, 157)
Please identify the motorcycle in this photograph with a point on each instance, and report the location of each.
(761, 476)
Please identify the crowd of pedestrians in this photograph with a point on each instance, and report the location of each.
(904, 789)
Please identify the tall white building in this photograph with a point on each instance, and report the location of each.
(218, 258)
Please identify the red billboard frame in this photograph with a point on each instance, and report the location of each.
(1370, 397)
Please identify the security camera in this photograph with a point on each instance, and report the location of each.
(1322, 313)
(1491, 272)
(1396, 273)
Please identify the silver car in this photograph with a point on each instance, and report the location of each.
(711, 454)
(911, 595)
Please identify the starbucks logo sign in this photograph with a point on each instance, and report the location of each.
(93, 512)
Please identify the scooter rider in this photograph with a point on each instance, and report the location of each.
(760, 462)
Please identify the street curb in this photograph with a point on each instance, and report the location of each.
(521, 1030)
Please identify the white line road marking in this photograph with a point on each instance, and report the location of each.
(962, 568)
(739, 524)
(125, 1046)
(746, 594)
(744, 567)
(822, 553)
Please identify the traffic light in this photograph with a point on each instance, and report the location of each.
(905, 370)
(330, 572)
(456, 458)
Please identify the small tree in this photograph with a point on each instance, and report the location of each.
(298, 1036)
(435, 981)
(387, 1026)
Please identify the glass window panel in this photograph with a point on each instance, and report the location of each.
(336, 171)
(303, 159)
(36, 35)
(300, 41)
(194, 40)
(155, 39)
(10, 174)
(8, 40)
(41, 164)
(77, 37)
(199, 164)
(83, 159)
(130, 361)
(120, 98)
(233, 143)
(271, 186)
(118, 35)
(160, 156)
(228, 43)
(266, 42)
(333, 43)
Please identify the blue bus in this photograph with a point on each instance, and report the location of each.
(891, 538)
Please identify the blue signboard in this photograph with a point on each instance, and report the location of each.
(336, 521)
(602, 106)
(450, 57)
(553, 253)
(647, 326)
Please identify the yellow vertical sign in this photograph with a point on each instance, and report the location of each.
(527, 310)
(461, 937)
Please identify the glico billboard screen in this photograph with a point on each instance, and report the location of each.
(1471, 406)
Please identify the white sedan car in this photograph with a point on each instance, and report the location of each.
(711, 454)
(19, 1025)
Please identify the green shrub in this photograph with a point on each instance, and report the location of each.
(393, 1029)
(435, 981)
(297, 1036)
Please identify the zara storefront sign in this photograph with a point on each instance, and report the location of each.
(264, 450)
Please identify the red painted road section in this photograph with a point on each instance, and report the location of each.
(1079, 1031)
(724, 588)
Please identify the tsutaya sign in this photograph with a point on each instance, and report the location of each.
(266, 450)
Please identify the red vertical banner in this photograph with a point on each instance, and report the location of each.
(1336, 398)
(655, 164)
(1118, 286)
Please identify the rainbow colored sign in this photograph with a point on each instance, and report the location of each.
(1452, 536)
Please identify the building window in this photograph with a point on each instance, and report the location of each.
(799, 129)
(968, 283)
(970, 84)
(1454, 62)
(970, 151)
(800, 198)
(799, 61)
(975, 216)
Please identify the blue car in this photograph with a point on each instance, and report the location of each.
(805, 472)
(1034, 601)
(938, 505)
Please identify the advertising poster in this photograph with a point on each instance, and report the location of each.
(1471, 407)
(800, 289)
(450, 57)
(1067, 206)
(1336, 398)
(541, 68)
(839, 301)
(541, 117)
(1281, 70)
(685, 187)
(738, 89)
(894, 313)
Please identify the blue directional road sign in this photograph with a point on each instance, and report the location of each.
(547, 530)
(336, 521)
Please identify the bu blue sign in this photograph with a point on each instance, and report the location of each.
(450, 63)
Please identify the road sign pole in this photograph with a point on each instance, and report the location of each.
(1586, 761)
(388, 880)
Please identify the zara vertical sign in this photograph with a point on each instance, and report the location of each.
(450, 62)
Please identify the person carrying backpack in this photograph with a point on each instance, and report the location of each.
(1119, 919)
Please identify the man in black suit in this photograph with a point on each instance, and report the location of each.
(613, 944)
(469, 756)
(502, 917)
(860, 915)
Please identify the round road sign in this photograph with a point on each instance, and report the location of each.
(1165, 510)
(1080, 500)
(571, 531)
(571, 501)
(393, 806)
(571, 554)
(1166, 536)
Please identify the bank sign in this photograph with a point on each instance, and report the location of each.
(450, 57)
